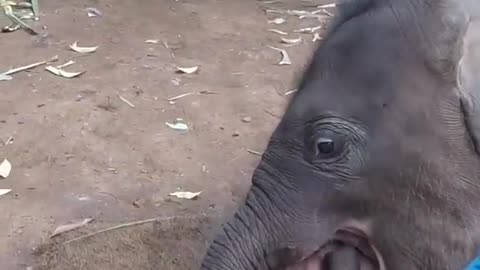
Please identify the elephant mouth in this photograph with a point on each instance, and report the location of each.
(348, 249)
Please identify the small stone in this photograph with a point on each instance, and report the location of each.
(236, 134)
(247, 119)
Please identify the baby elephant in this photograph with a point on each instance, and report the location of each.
(375, 163)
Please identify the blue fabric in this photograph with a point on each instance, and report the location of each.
(474, 265)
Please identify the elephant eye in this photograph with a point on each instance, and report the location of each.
(325, 146)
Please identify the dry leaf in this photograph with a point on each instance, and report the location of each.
(79, 49)
(69, 227)
(5, 168)
(4, 191)
(247, 119)
(63, 73)
(278, 31)
(277, 21)
(316, 36)
(185, 194)
(291, 40)
(177, 126)
(285, 58)
(187, 70)
(93, 12)
(152, 41)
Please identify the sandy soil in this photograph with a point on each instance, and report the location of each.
(79, 151)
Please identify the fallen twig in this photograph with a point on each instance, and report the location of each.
(8, 141)
(331, 5)
(69, 63)
(270, 2)
(300, 13)
(278, 31)
(126, 101)
(290, 92)
(180, 96)
(327, 12)
(253, 152)
(124, 225)
(27, 67)
(272, 114)
(206, 92)
(308, 29)
(203, 92)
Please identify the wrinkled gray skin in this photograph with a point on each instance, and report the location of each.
(385, 127)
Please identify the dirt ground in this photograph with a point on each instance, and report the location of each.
(79, 151)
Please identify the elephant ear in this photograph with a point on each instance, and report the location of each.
(468, 72)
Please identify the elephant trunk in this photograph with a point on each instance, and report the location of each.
(254, 232)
